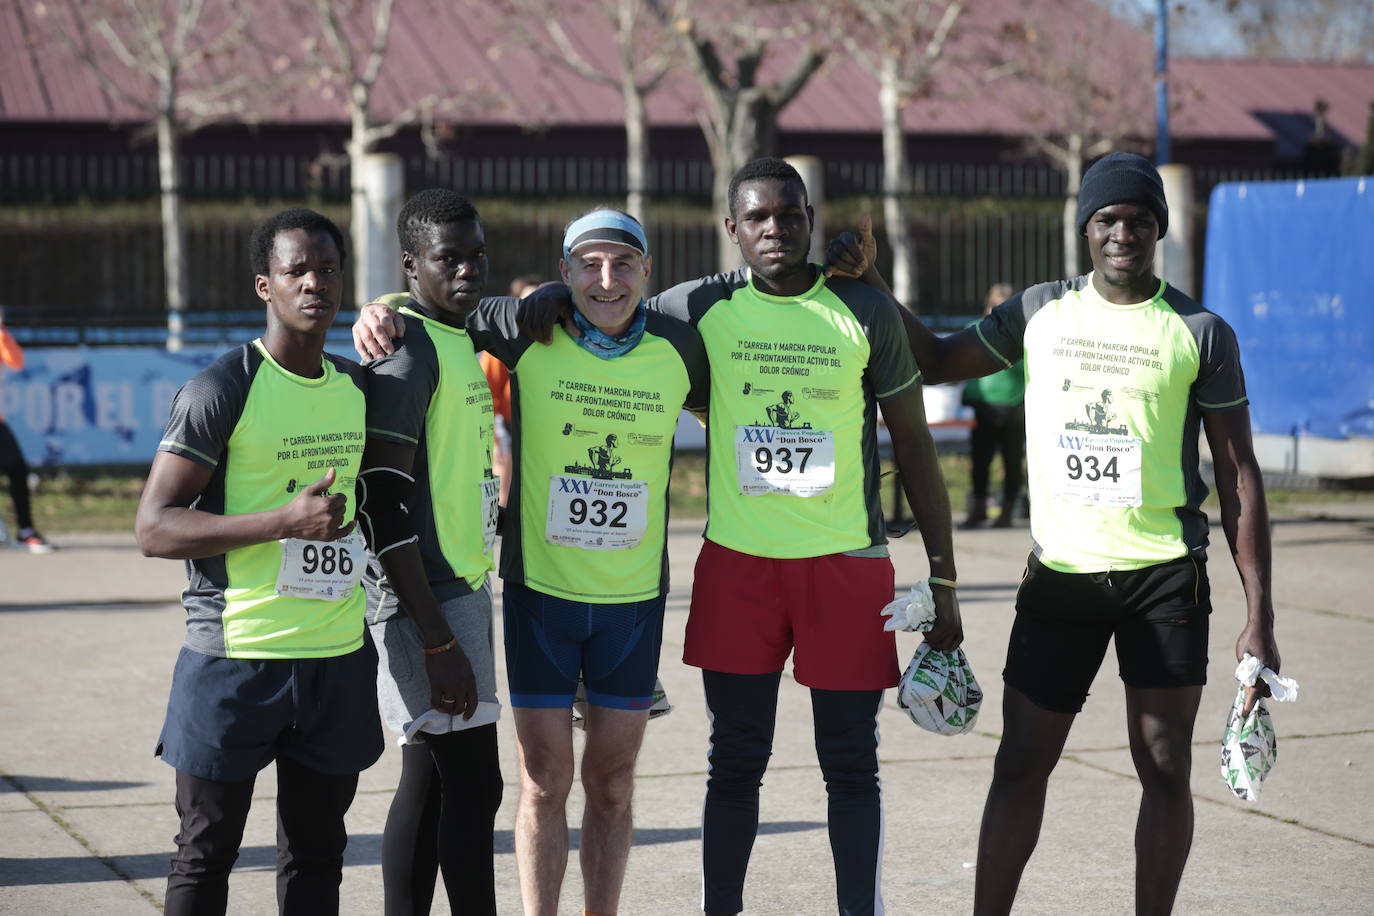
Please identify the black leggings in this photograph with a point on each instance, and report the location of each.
(17, 469)
(998, 429)
(310, 840)
(743, 709)
(442, 817)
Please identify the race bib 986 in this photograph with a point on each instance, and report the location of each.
(323, 570)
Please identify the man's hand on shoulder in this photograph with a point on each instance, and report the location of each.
(851, 254)
(377, 326)
(547, 306)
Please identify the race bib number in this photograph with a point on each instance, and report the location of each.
(597, 514)
(1095, 470)
(324, 570)
(491, 512)
(773, 460)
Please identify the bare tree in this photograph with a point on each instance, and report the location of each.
(1080, 101)
(644, 55)
(902, 43)
(739, 117)
(177, 64)
(353, 67)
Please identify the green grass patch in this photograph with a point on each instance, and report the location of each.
(105, 500)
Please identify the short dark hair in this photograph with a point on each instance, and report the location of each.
(767, 168)
(430, 208)
(266, 232)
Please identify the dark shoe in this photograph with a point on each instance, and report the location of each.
(1002, 521)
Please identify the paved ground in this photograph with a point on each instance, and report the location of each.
(88, 636)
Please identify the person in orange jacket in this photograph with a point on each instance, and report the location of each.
(12, 457)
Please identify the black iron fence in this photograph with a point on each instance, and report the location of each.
(81, 241)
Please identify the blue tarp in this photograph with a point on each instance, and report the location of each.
(1290, 265)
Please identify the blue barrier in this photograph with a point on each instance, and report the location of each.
(1290, 265)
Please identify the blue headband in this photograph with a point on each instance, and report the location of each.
(604, 226)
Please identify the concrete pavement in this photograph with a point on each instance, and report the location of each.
(88, 636)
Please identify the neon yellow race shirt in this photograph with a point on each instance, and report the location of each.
(792, 444)
(1114, 399)
(267, 433)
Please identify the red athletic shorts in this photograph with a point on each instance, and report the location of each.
(749, 612)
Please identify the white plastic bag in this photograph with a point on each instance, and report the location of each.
(938, 689)
(939, 692)
(1249, 746)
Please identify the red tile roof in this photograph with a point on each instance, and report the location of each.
(1217, 99)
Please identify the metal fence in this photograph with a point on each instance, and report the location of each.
(81, 246)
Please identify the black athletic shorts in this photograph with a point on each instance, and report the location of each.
(227, 718)
(1157, 615)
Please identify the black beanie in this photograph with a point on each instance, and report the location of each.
(1122, 178)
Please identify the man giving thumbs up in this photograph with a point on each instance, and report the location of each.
(252, 484)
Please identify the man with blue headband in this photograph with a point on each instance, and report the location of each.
(584, 557)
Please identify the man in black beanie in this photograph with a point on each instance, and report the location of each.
(1122, 370)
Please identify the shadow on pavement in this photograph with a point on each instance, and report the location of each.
(363, 850)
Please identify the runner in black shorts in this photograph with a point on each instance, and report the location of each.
(277, 664)
(1122, 372)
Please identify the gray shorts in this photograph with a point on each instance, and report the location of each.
(403, 688)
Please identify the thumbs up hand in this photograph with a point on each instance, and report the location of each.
(851, 254)
(316, 514)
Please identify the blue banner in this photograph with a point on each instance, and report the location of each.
(1290, 266)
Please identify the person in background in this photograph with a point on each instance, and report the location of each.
(12, 459)
(999, 427)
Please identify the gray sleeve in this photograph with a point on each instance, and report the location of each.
(1220, 381)
(891, 367)
(693, 299)
(492, 327)
(1003, 330)
(400, 387)
(207, 408)
(692, 351)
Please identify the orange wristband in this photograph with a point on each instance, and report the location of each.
(437, 650)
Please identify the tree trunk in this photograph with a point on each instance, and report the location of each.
(1073, 168)
(636, 128)
(751, 133)
(173, 231)
(894, 188)
(636, 151)
(358, 216)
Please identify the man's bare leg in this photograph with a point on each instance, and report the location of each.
(544, 741)
(1160, 724)
(608, 773)
(1032, 740)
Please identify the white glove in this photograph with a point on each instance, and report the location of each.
(915, 612)
(1250, 669)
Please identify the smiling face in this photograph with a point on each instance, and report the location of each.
(772, 226)
(1121, 240)
(607, 281)
(304, 281)
(448, 271)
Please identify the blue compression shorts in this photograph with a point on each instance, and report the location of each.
(551, 642)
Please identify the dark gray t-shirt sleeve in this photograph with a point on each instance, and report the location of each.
(691, 350)
(400, 387)
(689, 301)
(207, 408)
(492, 327)
(891, 368)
